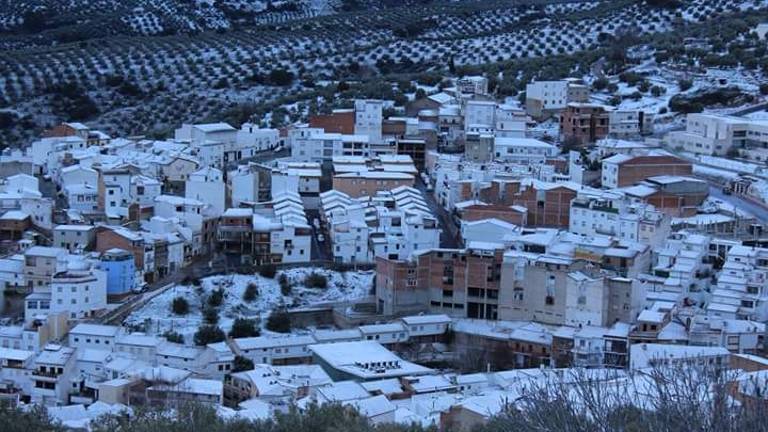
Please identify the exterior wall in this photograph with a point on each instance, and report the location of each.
(480, 212)
(74, 238)
(584, 124)
(342, 122)
(368, 118)
(479, 352)
(357, 187)
(676, 205)
(107, 239)
(121, 275)
(547, 208)
(640, 168)
(80, 294)
(544, 96)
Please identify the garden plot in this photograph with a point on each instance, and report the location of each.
(156, 317)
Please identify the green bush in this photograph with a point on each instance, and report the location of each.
(243, 327)
(268, 271)
(242, 364)
(251, 292)
(209, 334)
(172, 336)
(316, 280)
(285, 284)
(279, 322)
(210, 315)
(216, 298)
(180, 306)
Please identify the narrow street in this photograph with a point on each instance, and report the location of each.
(450, 236)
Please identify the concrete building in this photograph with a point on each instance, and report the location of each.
(623, 170)
(717, 135)
(54, 370)
(368, 119)
(316, 145)
(74, 238)
(369, 183)
(455, 282)
(584, 123)
(548, 97)
(472, 85)
(120, 268)
(523, 150)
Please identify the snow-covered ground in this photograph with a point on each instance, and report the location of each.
(158, 317)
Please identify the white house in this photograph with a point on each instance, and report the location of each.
(53, 374)
(94, 336)
(80, 291)
(368, 119)
(207, 185)
(523, 150)
(251, 139)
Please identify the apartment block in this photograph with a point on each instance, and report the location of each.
(584, 123)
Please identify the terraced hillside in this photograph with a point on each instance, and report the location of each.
(145, 84)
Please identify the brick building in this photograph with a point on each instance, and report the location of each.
(624, 170)
(516, 215)
(121, 238)
(339, 121)
(457, 282)
(584, 123)
(367, 183)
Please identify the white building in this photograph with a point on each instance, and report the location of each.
(546, 96)
(80, 291)
(629, 123)
(740, 292)
(390, 224)
(712, 134)
(94, 336)
(646, 355)
(73, 237)
(368, 119)
(473, 85)
(479, 116)
(611, 215)
(53, 375)
(251, 139)
(523, 150)
(315, 145)
(82, 197)
(206, 185)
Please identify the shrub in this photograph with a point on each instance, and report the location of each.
(685, 84)
(268, 271)
(251, 292)
(279, 321)
(285, 284)
(216, 298)
(180, 306)
(209, 334)
(280, 77)
(210, 315)
(172, 336)
(243, 327)
(242, 364)
(600, 83)
(764, 89)
(316, 280)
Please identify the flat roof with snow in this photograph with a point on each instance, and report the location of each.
(365, 360)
